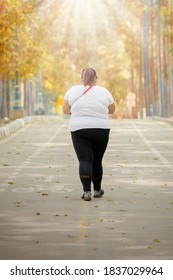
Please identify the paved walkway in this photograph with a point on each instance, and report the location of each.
(43, 217)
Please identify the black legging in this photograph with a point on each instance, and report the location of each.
(90, 145)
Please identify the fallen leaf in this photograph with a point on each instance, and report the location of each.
(156, 240)
(71, 236)
(136, 192)
(150, 247)
(100, 219)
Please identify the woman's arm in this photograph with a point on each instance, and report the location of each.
(66, 107)
(111, 108)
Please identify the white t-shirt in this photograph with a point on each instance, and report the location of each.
(89, 110)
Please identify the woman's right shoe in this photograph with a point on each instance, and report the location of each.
(86, 196)
(98, 193)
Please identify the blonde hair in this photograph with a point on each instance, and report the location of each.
(88, 76)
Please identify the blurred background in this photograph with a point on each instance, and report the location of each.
(44, 45)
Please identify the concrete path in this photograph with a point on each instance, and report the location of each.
(42, 215)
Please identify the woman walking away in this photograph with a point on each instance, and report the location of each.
(89, 106)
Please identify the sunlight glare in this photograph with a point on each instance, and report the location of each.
(90, 28)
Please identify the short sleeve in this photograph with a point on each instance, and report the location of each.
(66, 96)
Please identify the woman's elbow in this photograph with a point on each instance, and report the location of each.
(111, 108)
(66, 108)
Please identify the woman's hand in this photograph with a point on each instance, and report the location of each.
(111, 108)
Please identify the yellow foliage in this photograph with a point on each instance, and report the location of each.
(20, 47)
(48, 86)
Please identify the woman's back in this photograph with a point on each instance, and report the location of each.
(89, 110)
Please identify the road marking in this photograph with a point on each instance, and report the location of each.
(165, 162)
(50, 178)
(11, 136)
(31, 166)
(28, 161)
(43, 188)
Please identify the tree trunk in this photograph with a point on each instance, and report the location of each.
(4, 99)
(171, 60)
(141, 85)
(152, 67)
(158, 58)
(146, 57)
